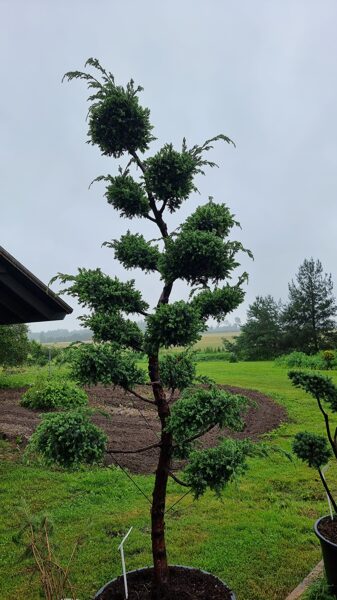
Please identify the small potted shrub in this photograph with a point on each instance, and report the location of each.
(316, 450)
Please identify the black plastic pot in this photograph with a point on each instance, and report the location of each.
(233, 597)
(329, 552)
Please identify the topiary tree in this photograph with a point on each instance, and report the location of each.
(313, 449)
(201, 254)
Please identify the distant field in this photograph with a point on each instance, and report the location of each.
(214, 340)
(208, 340)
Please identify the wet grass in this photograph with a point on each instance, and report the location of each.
(258, 538)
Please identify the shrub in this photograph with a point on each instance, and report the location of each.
(329, 358)
(301, 360)
(38, 354)
(48, 394)
(68, 439)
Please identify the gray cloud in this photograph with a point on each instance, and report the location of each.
(262, 72)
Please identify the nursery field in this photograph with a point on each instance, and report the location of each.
(208, 340)
(258, 537)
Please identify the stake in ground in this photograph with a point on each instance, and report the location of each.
(201, 254)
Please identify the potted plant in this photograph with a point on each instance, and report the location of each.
(316, 450)
(201, 254)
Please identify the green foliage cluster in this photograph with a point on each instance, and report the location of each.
(68, 439)
(219, 302)
(169, 176)
(114, 328)
(176, 324)
(178, 370)
(127, 196)
(211, 217)
(14, 345)
(199, 410)
(329, 358)
(319, 386)
(312, 449)
(48, 394)
(100, 292)
(198, 257)
(133, 251)
(215, 467)
(301, 360)
(39, 354)
(107, 364)
(117, 123)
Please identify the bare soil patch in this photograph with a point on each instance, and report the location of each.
(132, 424)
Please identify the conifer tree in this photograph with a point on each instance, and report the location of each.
(201, 254)
(309, 319)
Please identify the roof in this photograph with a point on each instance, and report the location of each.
(23, 297)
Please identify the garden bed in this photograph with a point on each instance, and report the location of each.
(129, 424)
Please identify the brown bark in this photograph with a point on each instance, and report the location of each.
(161, 572)
(160, 589)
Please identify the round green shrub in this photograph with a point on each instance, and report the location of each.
(178, 370)
(119, 124)
(68, 439)
(127, 196)
(47, 394)
(169, 176)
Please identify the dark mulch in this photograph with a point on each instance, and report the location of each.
(328, 529)
(132, 424)
(185, 584)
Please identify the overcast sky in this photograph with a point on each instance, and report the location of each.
(263, 73)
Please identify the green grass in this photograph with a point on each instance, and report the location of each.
(258, 539)
(22, 377)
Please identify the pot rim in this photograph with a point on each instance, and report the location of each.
(233, 597)
(318, 533)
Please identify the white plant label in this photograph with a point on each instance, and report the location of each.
(121, 549)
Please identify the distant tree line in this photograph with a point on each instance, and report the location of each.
(85, 335)
(307, 322)
(226, 326)
(61, 335)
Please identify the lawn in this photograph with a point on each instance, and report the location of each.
(258, 538)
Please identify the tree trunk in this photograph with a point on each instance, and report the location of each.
(160, 587)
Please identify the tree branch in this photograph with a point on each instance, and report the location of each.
(327, 490)
(327, 426)
(144, 449)
(199, 435)
(157, 214)
(139, 397)
(151, 218)
(177, 480)
(163, 206)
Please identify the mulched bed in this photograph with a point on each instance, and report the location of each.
(133, 424)
(185, 584)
